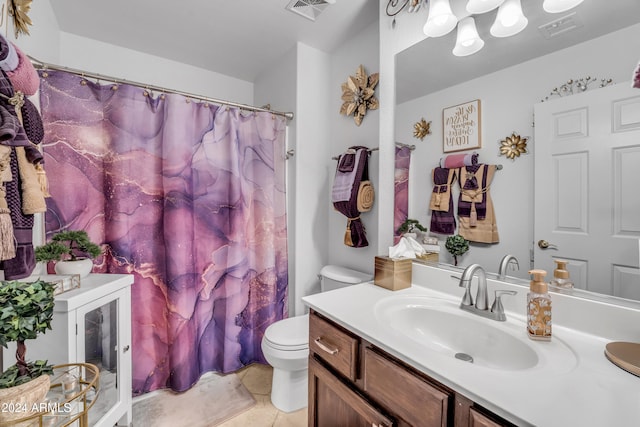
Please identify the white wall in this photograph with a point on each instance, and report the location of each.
(362, 49)
(43, 41)
(311, 177)
(507, 99)
(91, 55)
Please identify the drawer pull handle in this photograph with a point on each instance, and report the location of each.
(324, 347)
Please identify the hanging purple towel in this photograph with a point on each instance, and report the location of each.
(355, 235)
(472, 190)
(345, 177)
(443, 222)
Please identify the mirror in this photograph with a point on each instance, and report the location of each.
(509, 76)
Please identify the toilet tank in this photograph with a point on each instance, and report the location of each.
(335, 277)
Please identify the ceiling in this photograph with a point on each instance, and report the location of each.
(430, 66)
(238, 38)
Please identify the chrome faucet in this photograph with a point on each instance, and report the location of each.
(504, 265)
(481, 306)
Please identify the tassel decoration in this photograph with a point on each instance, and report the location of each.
(7, 239)
(43, 180)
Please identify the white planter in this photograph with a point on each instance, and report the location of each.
(81, 266)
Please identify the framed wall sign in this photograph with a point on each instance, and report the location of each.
(461, 127)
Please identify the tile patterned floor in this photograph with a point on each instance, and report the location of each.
(257, 379)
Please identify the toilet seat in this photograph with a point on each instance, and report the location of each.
(291, 334)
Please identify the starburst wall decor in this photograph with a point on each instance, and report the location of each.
(19, 11)
(513, 146)
(358, 95)
(422, 129)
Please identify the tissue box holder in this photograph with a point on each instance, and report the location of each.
(392, 274)
(429, 256)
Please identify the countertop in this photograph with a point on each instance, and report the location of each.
(584, 389)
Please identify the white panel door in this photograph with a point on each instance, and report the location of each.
(587, 191)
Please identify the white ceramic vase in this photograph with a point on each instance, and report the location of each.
(80, 266)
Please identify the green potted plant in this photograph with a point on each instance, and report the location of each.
(26, 309)
(71, 250)
(456, 246)
(410, 228)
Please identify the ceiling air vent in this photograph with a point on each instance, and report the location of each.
(560, 25)
(310, 9)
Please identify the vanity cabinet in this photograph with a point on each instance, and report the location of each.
(93, 324)
(354, 383)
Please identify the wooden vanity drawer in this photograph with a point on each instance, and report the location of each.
(411, 398)
(334, 345)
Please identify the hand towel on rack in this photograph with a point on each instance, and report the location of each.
(443, 221)
(345, 176)
(454, 161)
(477, 219)
(355, 235)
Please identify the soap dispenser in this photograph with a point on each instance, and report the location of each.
(561, 275)
(539, 308)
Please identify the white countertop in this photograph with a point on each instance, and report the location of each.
(588, 391)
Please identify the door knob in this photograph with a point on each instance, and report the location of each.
(543, 244)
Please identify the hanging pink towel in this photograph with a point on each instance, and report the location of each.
(454, 161)
(636, 77)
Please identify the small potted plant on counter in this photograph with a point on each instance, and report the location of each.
(71, 250)
(410, 228)
(26, 309)
(456, 246)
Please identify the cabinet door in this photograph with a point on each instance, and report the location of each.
(334, 404)
(408, 396)
(104, 335)
(334, 345)
(477, 419)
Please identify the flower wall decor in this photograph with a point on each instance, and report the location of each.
(514, 145)
(422, 129)
(358, 95)
(19, 11)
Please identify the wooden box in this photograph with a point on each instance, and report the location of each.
(429, 256)
(393, 274)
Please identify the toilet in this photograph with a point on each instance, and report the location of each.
(285, 344)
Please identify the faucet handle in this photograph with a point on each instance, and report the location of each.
(497, 306)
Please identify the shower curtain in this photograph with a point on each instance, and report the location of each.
(401, 186)
(190, 199)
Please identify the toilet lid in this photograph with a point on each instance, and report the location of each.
(289, 334)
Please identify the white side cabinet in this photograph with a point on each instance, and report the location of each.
(93, 324)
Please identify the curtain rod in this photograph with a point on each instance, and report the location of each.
(46, 66)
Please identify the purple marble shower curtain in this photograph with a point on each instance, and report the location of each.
(187, 197)
(401, 183)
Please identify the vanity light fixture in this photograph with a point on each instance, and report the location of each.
(468, 41)
(482, 6)
(559, 6)
(441, 19)
(510, 20)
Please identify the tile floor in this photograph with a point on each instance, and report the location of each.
(257, 379)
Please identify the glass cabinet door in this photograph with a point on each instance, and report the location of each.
(101, 350)
(103, 339)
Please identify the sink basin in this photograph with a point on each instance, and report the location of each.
(439, 325)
